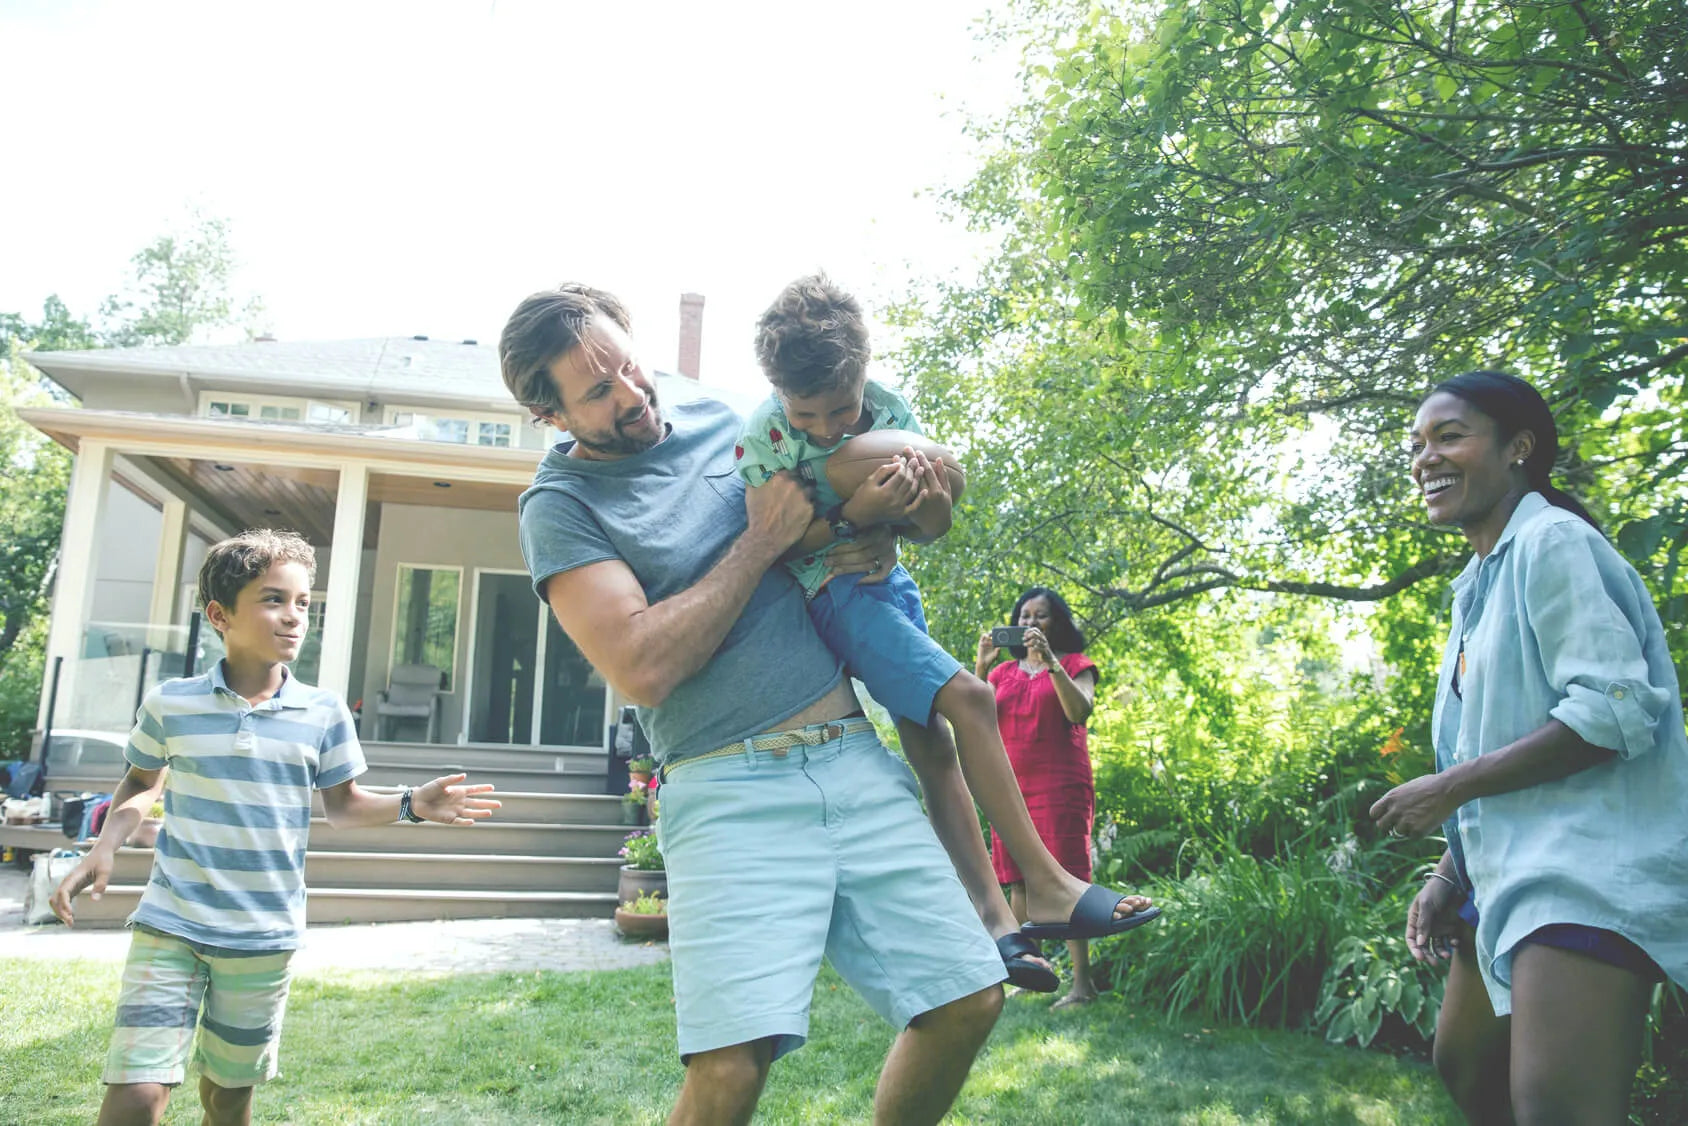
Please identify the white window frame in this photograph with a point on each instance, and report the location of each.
(453, 678)
(256, 403)
(474, 419)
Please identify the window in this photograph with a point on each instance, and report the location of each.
(425, 618)
(223, 404)
(463, 430)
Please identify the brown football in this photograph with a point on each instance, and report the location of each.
(857, 458)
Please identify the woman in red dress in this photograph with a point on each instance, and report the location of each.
(1043, 699)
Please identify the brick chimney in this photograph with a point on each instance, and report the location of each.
(691, 333)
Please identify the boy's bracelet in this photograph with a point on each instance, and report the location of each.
(406, 813)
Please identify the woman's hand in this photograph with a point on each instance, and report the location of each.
(1415, 808)
(1433, 922)
(988, 652)
(872, 554)
(1038, 651)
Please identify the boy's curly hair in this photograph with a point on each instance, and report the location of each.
(232, 563)
(813, 338)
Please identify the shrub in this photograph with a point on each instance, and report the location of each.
(1373, 986)
(1246, 938)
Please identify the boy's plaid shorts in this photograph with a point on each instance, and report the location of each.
(236, 998)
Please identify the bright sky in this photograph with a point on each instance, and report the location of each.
(393, 168)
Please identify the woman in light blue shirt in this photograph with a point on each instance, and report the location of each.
(1561, 779)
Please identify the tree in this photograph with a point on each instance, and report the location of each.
(1240, 239)
(179, 287)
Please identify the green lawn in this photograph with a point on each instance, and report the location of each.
(598, 1047)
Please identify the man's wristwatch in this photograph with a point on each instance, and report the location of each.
(842, 529)
(406, 813)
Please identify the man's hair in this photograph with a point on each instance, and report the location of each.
(813, 338)
(543, 327)
(236, 561)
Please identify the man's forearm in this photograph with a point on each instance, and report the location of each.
(1547, 754)
(682, 632)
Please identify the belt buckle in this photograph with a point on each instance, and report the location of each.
(831, 731)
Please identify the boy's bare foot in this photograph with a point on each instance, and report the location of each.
(1073, 998)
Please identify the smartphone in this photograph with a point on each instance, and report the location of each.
(1004, 637)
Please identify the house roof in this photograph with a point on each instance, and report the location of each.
(391, 369)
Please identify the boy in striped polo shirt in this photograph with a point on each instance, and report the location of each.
(236, 753)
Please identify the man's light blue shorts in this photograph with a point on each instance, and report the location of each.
(879, 631)
(774, 860)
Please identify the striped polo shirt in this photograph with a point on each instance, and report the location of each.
(229, 865)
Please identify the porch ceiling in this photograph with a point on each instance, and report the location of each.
(248, 475)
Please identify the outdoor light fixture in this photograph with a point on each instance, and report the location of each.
(223, 468)
(442, 484)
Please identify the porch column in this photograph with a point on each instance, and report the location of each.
(167, 574)
(344, 567)
(73, 586)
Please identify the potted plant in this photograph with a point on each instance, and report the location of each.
(644, 917)
(633, 804)
(639, 769)
(643, 870)
(146, 833)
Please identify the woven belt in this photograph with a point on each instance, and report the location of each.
(777, 743)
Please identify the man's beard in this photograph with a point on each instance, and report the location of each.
(618, 443)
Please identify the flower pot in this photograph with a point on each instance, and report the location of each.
(632, 814)
(146, 833)
(639, 776)
(641, 926)
(637, 880)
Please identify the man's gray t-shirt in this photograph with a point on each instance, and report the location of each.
(670, 513)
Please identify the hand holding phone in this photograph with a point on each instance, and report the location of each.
(1004, 637)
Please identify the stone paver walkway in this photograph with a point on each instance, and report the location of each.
(441, 947)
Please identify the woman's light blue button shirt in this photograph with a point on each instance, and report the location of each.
(1555, 624)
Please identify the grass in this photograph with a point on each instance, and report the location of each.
(598, 1048)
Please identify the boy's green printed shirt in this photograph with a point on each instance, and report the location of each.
(768, 445)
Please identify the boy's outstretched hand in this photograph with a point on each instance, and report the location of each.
(91, 875)
(447, 803)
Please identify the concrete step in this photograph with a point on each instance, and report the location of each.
(545, 809)
(387, 905)
(504, 778)
(500, 838)
(488, 756)
(425, 871)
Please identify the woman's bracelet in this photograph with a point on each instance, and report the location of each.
(1446, 880)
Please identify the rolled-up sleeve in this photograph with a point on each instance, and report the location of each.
(1588, 624)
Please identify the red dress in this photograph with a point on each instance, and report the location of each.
(1051, 761)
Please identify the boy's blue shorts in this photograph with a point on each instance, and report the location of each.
(879, 631)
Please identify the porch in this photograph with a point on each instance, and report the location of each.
(418, 567)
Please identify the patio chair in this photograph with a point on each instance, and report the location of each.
(412, 692)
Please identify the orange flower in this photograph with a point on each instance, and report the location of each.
(1393, 745)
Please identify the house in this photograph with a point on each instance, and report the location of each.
(400, 461)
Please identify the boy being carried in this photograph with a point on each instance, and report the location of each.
(236, 753)
(812, 345)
